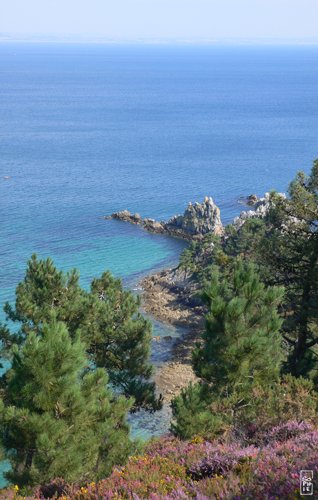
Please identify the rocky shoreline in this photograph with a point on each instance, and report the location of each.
(169, 296)
(166, 297)
(166, 294)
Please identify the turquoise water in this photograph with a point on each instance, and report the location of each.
(88, 130)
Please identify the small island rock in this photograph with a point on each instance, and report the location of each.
(197, 220)
(252, 199)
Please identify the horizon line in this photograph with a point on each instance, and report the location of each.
(82, 39)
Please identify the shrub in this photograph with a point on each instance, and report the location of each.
(173, 469)
(220, 461)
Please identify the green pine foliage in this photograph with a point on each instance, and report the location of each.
(202, 411)
(107, 317)
(193, 413)
(284, 248)
(256, 361)
(200, 255)
(243, 242)
(57, 418)
(289, 253)
(240, 352)
(253, 330)
(241, 343)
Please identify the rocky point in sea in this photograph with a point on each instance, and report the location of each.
(170, 295)
(261, 207)
(197, 220)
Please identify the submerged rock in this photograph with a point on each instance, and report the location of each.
(252, 199)
(197, 220)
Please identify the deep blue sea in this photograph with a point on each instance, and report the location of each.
(86, 130)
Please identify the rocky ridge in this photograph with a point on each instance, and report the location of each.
(197, 220)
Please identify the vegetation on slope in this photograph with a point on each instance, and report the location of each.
(262, 465)
(117, 337)
(255, 332)
(284, 248)
(245, 430)
(57, 417)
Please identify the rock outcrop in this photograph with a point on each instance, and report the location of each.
(251, 200)
(126, 216)
(261, 208)
(197, 220)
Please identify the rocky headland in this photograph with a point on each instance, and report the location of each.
(170, 295)
(197, 220)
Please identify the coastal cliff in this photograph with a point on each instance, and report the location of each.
(198, 219)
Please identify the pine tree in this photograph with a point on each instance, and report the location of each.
(289, 251)
(107, 317)
(241, 342)
(58, 419)
(240, 350)
(193, 413)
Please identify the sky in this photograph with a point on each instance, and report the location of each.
(187, 20)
